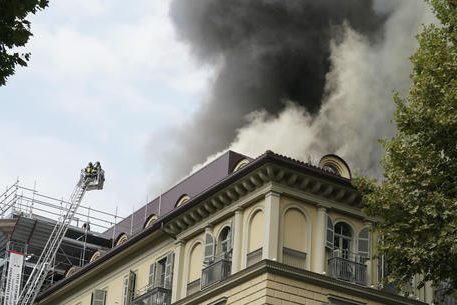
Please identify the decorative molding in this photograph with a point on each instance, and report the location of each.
(320, 189)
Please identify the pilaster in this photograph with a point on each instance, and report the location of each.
(271, 235)
(237, 238)
(178, 271)
(318, 242)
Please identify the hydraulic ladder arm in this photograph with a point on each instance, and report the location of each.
(91, 179)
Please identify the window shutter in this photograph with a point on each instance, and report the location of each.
(209, 247)
(158, 275)
(131, 287)
(152, 275)
(126, 290)
(363, 244)
(230, 238)
(98, 297)
(169, 270)
(329, 233)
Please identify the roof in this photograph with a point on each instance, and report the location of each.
(191, 186)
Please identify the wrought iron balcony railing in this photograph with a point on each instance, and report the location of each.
(347, 266)
(217, 271)
(152, 296)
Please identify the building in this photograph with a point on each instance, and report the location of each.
(270, 230)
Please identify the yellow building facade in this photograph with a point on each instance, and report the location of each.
(273, 231)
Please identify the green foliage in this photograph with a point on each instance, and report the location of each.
(417, 201)
(14, 33)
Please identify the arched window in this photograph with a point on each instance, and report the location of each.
(122, 238)
(183, 199)
(70, 271)
(241, 164)
(335, 165)
(151, 219)
(224, 242)
(343, 239)
(95, 256)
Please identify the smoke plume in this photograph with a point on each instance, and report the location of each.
(300, 77)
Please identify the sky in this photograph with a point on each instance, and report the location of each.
(111, 82)
(103, 76)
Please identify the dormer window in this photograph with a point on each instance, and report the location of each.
(151, 219)
(335, 165)
(183, 199)
(241, 164)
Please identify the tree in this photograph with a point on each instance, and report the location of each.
(14, 33)
(417, 199)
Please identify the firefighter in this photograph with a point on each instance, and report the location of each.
(98, 167)
(89, 168)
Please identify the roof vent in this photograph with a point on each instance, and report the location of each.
(335, 165)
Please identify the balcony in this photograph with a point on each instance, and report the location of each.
(294, 258)
(347, 266)
(217, 271)
(152, 296)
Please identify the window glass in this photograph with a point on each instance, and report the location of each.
(343, 239)
(160, 273)
(225, 240)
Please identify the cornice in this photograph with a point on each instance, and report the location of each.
(322, 191)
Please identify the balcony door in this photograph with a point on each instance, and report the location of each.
(342, 241)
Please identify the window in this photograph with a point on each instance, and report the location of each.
(219, 268)
(183, 199)
(129, 287)
(329, 233)
(122, 238)
(225, 242)
(342, 240)
(161, 272)
(98, 297)
(95, 256)
(151, 219)
(241, 164)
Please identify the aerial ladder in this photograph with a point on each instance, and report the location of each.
(91, 178)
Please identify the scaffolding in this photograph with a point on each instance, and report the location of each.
(29, 202)
(27, 220)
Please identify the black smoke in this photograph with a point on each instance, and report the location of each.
(267, 52)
